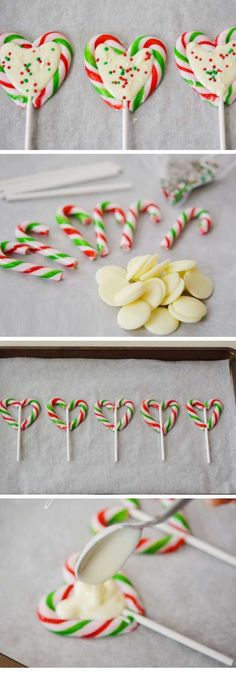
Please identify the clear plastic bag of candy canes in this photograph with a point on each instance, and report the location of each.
(209, 66)
(32, 72)
(125, 78)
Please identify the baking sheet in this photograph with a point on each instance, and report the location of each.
(178, 590)
(44, 468)
(72, 307)
(173, 118)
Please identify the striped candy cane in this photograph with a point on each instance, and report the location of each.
(186, 71)
(154, 46)
(25, 268)
(214, 403)
(99, 225)
(56, 80)
(76, 403)
(125, 419)
(150, 420)
(63, 215)
(141, 206)
(94, 628)
(30, 419)
(23, 235)
(154, 545)
(204, 224)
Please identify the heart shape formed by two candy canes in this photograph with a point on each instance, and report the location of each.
(154, 545)
(125, 77)
(88, 628)
(76, 403)
(209, 66)
(150, 420)
(33, 71)
(125, 419)
(30, 419)
(192, 405)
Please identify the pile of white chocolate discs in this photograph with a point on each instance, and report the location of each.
(157, 296)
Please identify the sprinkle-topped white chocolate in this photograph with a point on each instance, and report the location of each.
(30, 69)
(123, 75)
(104, 601)
(214, 67)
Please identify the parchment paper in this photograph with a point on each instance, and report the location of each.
(180, 590)
(44, 468)
(72, 308)
(174, 117)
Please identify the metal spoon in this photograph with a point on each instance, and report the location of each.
(107, 552)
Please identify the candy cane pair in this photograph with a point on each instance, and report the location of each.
(67, 425)
(6, 262)
(19, 425)
(205, 224)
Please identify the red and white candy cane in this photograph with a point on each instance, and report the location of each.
(132, 215)
(39, 97)
(6, 262)
(185, 70)
(205, 224)
(63, 216)
(95, 628)
(155, 49)
(205, 424)
(155, 545)
(23, 235)
(99, 225)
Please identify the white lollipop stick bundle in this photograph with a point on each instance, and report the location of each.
(125, 78)
(193, 405)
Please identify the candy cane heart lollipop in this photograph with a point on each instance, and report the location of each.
(117, 425)
(162, 428)
(68, 407)
(206, 424)
(125, 78)
(19, 425)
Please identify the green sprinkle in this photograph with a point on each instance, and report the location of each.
(134, 67)
(105, 63)
(105, 49)
(52, 49)
(26, 80)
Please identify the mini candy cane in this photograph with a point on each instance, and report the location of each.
(22, 267)
(155, 545)
(117, 425)
(204, 226)
(206, 424)
(67, 425)
(23, 236)
(94, 628)
(19, 425)
(63, 215)
(141, 206)
(99, 225)
(159, 426)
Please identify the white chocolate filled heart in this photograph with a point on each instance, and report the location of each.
(214, 67)
(30, 69)
(123, 75)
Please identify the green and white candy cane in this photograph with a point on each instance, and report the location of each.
(155, 545)
(23, 235)
(95, 628)
(206, 424)
(99, 225)
(19, 425)
(67, 425)
(63, 218)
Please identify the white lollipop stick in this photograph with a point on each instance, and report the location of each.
(125, 120)
(178, 637)
(163, 456)
(190, 539)
(19, 433)
(206, 436)
(68, 434)
(116, 434)
(222, 124)
(28, 124)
